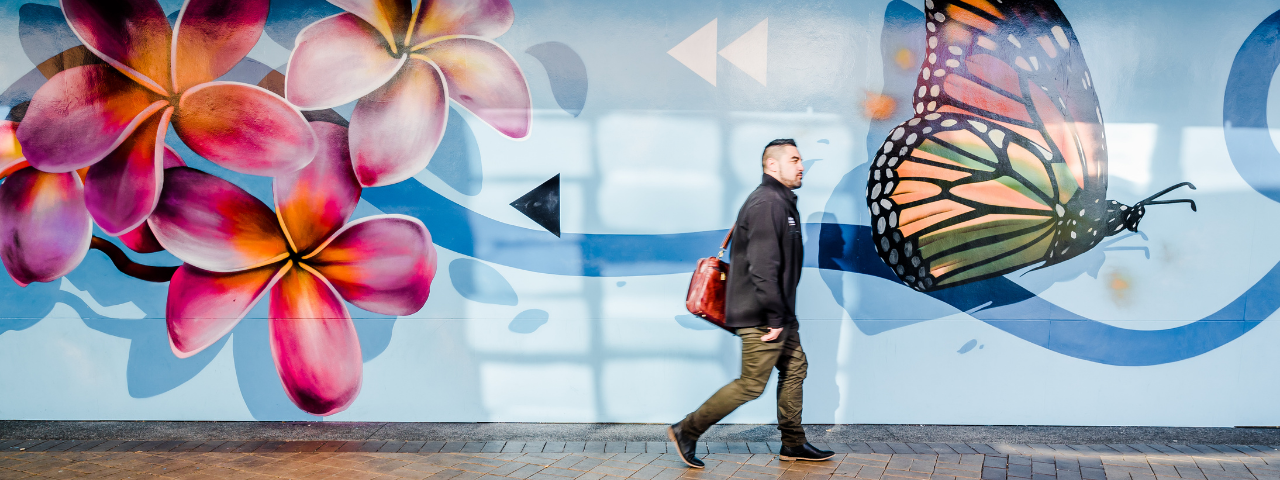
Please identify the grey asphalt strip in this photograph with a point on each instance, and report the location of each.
(613, 432)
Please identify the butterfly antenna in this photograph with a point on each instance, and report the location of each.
(1180, 200)
(1152, 199)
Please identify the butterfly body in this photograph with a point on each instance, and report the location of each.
(1004, 164)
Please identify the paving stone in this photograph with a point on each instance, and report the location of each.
(882, 448)
(1090, 473)
(537, 460)
(953, 472)
(1023, 471)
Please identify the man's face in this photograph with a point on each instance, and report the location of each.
(786, 166)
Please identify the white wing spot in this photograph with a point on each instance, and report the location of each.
(997, 137)
(953, 63)
(939, 17)
(933, 92)
(1061, 37)
(898, 133)
(982, 127)
(933, 42)
(955, 50)
(948, 123)
(1014, 41)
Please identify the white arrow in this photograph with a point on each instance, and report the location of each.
(698, 52)
(750, 52)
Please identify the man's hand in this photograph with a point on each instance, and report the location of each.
(773, 334)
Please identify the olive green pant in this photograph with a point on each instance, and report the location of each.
(758, 361)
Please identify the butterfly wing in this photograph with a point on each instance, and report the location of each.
(955, 199)
(1004, 164)
(1020, 62)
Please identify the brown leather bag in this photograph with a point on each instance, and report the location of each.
(706, 289)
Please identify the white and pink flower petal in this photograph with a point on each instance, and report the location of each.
(485, 80)
(316, 200)
(390, 18)
(211, 36)
(131, 35)
(383, 264)
(244, 128)
(395, 130)
(215, 225)
(123, 188)
(81, 115)
(44, 227)
(338, 60)
(204, 306)
(10, 149)
(314, 343)
(482, 18)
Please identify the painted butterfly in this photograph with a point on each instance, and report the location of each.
(1004, 164)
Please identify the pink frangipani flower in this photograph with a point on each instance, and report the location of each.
(44, 227)
(402, 59)
(114, 118)
(304, 257)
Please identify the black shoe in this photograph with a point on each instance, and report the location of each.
(686, 446)
(804, 452)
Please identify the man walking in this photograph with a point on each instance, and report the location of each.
(760, 303)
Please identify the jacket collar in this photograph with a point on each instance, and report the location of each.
(773, 183)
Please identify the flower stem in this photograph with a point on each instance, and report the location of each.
(129, 267)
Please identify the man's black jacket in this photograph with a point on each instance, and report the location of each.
(765, 259)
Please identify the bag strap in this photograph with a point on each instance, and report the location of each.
(725, 243)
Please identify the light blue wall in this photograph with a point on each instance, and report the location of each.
(1168, 327)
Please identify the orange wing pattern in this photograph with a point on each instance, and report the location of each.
(1004, 164)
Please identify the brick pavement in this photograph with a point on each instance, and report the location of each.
(118, 459)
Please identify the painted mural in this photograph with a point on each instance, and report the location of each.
(1004, 164)
(488, 210)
